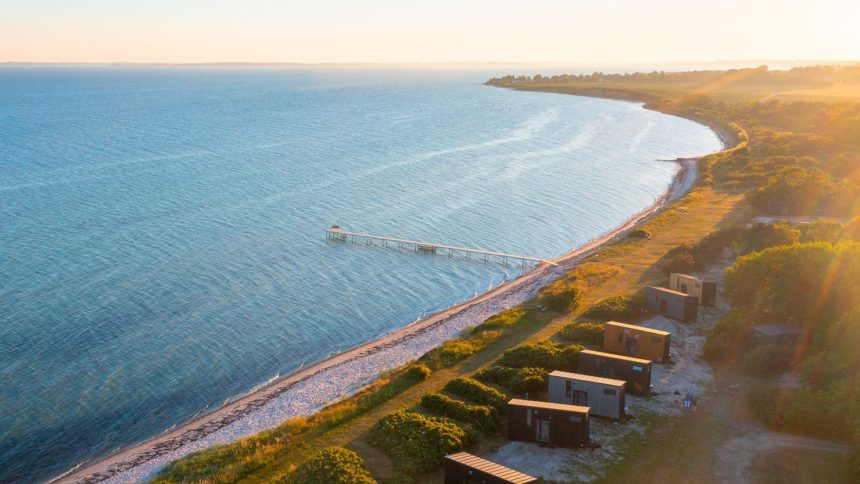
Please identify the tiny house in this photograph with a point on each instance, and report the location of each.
(465, 468)
(775, 334)
(637, 341)
(705, 291)
(603, 396)
(672, 304)
(553, 424)
(635, 371)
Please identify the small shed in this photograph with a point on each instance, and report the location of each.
(705, 291)
(672, 304)
(637, 341)
(465, 468)
(603, 396)
(775, 334)
(553, 424)
(635, 371)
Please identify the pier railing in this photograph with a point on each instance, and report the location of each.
(337, 233)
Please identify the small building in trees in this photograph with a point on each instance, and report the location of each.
(635, 371)
(705, 291)
(604, 397)
(553, 424)
(672, 304)
(465, 468)
(637, 341)
(775, 334)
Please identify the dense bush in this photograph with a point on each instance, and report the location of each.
(451, 352)
(561, 300)
(639, 234)
(476, 391)
(822, 231)
(418, 443)
(542, 354)
(617, 308)
(793, 190)
(334, 465)
(504, 319)
(768, 360)
(762, 236)
(482, 417)
(584, 333)
(417, 372)
(680, 260)
(516, 380)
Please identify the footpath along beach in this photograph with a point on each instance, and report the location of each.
(309, 389)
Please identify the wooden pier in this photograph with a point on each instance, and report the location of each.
(336, 233)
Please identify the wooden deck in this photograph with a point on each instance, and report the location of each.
(337, 233)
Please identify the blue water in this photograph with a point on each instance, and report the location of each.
(161, 230)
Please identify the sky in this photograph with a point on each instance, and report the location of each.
(401, 31)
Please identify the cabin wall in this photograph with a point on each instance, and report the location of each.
(637, 376)
(604, 400)
(639, 344)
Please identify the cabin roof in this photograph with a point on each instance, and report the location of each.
(638, 328)
(593, 379)
(549, 405)
(617, 357)
(670, 291)
(777, 329)
(496, 470)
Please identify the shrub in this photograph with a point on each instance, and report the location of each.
(639, 234)
(822, 231)
(762, 400)
(504, 319)
(418, 443)
(768, 360)
(451, 352)
(334, 465)
(762, 236)
(542, 354)
(793, 190)
(476, 391)
(480, 416)
(561, 300)
(588, 334)
(680, 260)
(616, 308)
(517, 380)
(417, 372)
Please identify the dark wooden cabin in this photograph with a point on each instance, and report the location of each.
(465, 468)
(553, 424)
(635, 371)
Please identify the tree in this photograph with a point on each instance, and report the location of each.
(334, 465)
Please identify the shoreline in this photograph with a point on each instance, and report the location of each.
(308, 389)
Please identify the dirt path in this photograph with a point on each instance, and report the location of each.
(735, 457)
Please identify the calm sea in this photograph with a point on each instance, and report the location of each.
(162, 241)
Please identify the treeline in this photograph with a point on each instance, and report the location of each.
(812, 76)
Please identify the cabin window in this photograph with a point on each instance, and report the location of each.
(608, 391)
(683, 287)
(529, 418)
(637, 368)
(580, 398)
(568, 388)
(620, 336)
(655, 339)
(575, 419)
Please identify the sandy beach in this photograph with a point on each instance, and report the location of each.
(309, 389)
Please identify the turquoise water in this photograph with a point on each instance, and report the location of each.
(162, 229)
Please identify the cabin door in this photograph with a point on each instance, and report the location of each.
(542, 430)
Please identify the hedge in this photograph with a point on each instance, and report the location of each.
(477, 392)
(561, 300)
(589, 334)
(418, 443)
(451, 352)
(768, 360)
(482, 417)
(517, 380)
(542, 354)
(616, 308)
(334, 465)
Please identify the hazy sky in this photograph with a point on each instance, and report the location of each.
(541, 31)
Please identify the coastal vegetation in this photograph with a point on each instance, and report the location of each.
(790, 158)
